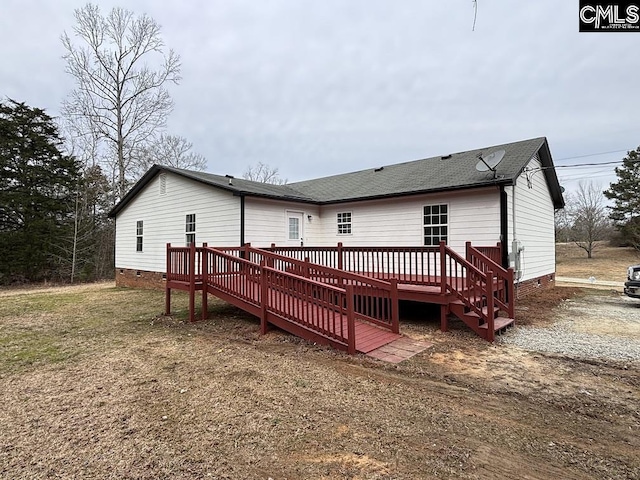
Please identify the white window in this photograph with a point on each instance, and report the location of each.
(190, 229)
(139, 231)
(436, 224)
(344, 223)
(294, 228)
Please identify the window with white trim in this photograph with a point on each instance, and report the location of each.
(139, 234)
(436, 224)
(344, 223)
(294, 228)
(190, 229)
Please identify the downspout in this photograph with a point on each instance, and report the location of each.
(242, 242)
(504, 226)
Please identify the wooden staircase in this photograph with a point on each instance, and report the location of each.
(478, 323)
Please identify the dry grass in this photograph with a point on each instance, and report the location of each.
(608, 263)
(95, 383)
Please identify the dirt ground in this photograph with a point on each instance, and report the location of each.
(94, 383)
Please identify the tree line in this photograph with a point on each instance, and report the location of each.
(61, 177)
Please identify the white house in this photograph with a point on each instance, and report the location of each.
(456, 198)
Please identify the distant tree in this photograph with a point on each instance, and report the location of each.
(119, 93)
(625, 194)
(563, 221)
(37, 191)
(170, 150)
(261, 172)
(589, 221)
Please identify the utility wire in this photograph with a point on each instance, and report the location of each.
(590, 155)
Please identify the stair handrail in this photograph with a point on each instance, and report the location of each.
(460, 287)
(503, 275)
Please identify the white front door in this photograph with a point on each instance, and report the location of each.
(294, 227)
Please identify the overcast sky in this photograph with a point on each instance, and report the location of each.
(321, 87)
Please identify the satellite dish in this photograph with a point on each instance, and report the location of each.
(490, 162)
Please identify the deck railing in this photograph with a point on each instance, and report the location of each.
(494, 253)
(375, 301)
(504, 289)
(322, 308)
(179, 261)
(409, 265)
(325, 309)
(233, 276)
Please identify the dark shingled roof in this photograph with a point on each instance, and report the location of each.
(436, 174)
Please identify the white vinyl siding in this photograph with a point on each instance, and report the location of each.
(474, 215)
(534, 222)
(266, 222)
(217, 213)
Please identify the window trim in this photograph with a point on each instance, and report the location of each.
(344, 223)
(139, 236)
(438, 225)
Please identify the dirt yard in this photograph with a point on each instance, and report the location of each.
(94, 383)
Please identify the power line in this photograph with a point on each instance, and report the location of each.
(591, 155)
(588, 164)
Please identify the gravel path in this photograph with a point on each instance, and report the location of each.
(604, 327)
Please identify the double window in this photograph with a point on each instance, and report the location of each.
(436, 224)
(139, 232)
(344, 223)
(190, 229)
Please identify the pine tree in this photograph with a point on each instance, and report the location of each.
(37, 188)
(625, 194)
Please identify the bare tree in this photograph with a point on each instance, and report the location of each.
(170, 150)
(590, 223)
(119, 93)
(261, 172)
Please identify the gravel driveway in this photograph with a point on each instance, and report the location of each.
(602, 326)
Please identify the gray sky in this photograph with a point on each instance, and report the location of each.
(316, 88)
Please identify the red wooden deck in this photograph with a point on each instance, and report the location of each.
(354, 311)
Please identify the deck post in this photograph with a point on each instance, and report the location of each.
(306, 270)
(395, 313)
(443, 269)
(490, 310)
(467, 251)
(192, 281)
(444, 321)
(167, 289)
(339, 253)
(351, 321)
(264, 298)
(205, 278)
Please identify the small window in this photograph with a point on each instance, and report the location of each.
(190, 229)
(436, 224)
(344, 223)
(294, 228)
(139, 231)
